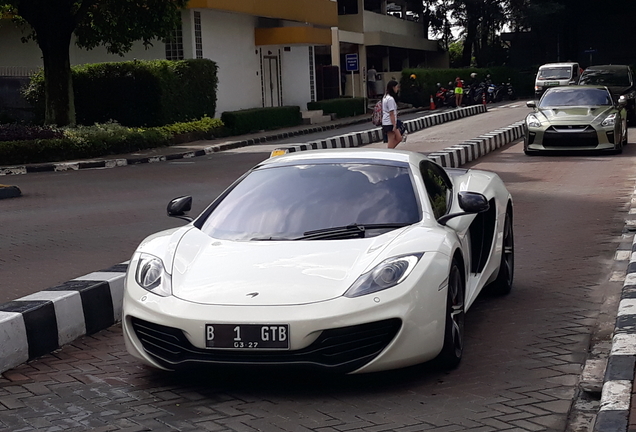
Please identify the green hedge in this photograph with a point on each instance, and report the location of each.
(417, 91)
(341, 107)
(256, 119)
(137, 93)
(104, 139)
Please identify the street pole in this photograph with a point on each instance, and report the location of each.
(353, 84)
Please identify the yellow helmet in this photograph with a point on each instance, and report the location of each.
(413, 76)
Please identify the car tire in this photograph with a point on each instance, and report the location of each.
(453, 348)
(631, 115)
(503, 284)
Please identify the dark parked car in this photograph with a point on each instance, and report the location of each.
(619, 79)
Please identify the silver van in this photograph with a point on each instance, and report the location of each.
(556, 74)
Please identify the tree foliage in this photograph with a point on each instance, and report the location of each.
(116, 24)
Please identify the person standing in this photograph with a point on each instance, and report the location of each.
(389, 114)
(371, 79)
(459, 92)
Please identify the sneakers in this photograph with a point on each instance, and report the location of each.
(405, 136)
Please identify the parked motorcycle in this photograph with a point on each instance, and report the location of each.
(445, 96)
(510, 92)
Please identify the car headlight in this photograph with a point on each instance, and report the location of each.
(538, 88)
(610, 120)
(533, 121)
(152, 276)
(385, 275)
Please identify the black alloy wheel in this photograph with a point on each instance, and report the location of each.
(503, 284)
(453, 348)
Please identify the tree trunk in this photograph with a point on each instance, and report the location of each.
(58, 84)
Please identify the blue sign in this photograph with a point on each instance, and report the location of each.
(352, 62)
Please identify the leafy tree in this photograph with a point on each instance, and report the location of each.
(117, 24)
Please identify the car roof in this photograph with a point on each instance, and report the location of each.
(549, 65)
(578, 87)
(607, 67)
(347, 153)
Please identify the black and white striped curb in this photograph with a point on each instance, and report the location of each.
(113, 163)
(357, 139)
(44, 321)
(614, 410)
(453, 156)
(459, 154)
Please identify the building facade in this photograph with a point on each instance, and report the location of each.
(387, 36)
(269, 52)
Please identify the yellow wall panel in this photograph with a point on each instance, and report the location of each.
(319, 12)
(292, 35)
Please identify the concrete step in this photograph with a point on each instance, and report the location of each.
(314, 117)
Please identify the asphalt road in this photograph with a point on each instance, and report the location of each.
(523, 356)
(68, 224)
(524, 352)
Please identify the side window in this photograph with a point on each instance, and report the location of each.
(438, 187)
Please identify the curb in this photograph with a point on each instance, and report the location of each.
(9, 191)
(614, 411)
(113, 163)
(450, 157)
(374, 135)
(42, 322)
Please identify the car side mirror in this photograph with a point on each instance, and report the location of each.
(531, 104)
(178, 207)
(471, 203)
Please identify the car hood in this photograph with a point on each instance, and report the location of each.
(267, 273)
(575, 114)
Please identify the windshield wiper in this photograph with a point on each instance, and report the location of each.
(349, 231)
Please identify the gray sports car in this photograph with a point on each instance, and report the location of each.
(576, 118)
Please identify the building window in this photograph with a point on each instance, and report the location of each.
(174, 45)
(312, 75)
(347, 7)
(198, 40)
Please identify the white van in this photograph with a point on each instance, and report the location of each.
(556, 74)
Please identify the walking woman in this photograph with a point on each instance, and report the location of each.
(389, 114)
(459, 92)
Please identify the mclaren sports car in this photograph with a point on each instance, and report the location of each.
(344, 260)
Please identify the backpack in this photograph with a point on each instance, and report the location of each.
(376, 118)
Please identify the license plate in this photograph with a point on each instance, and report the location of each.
(552, 83)
(247, 336)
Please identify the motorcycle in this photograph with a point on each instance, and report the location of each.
(510, 91)
(444, 96)
(475, 94)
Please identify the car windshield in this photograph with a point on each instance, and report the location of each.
(615, 78)
(575, 96)
(555, 73)
(288, 202)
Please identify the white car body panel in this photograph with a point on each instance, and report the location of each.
(302, 283)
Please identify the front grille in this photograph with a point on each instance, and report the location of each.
(341, 349)
(570, 136)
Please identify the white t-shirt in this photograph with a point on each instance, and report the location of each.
(388, 105)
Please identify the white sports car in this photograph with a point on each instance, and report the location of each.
(350, 260)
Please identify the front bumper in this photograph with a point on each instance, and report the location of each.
(397, 327)
(570, 137)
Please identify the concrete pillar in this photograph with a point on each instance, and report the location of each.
(335, 53)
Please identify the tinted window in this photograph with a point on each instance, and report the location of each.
(573, 96)
(556, 73)
(616, 77)
(438, 188)
(286, 201)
